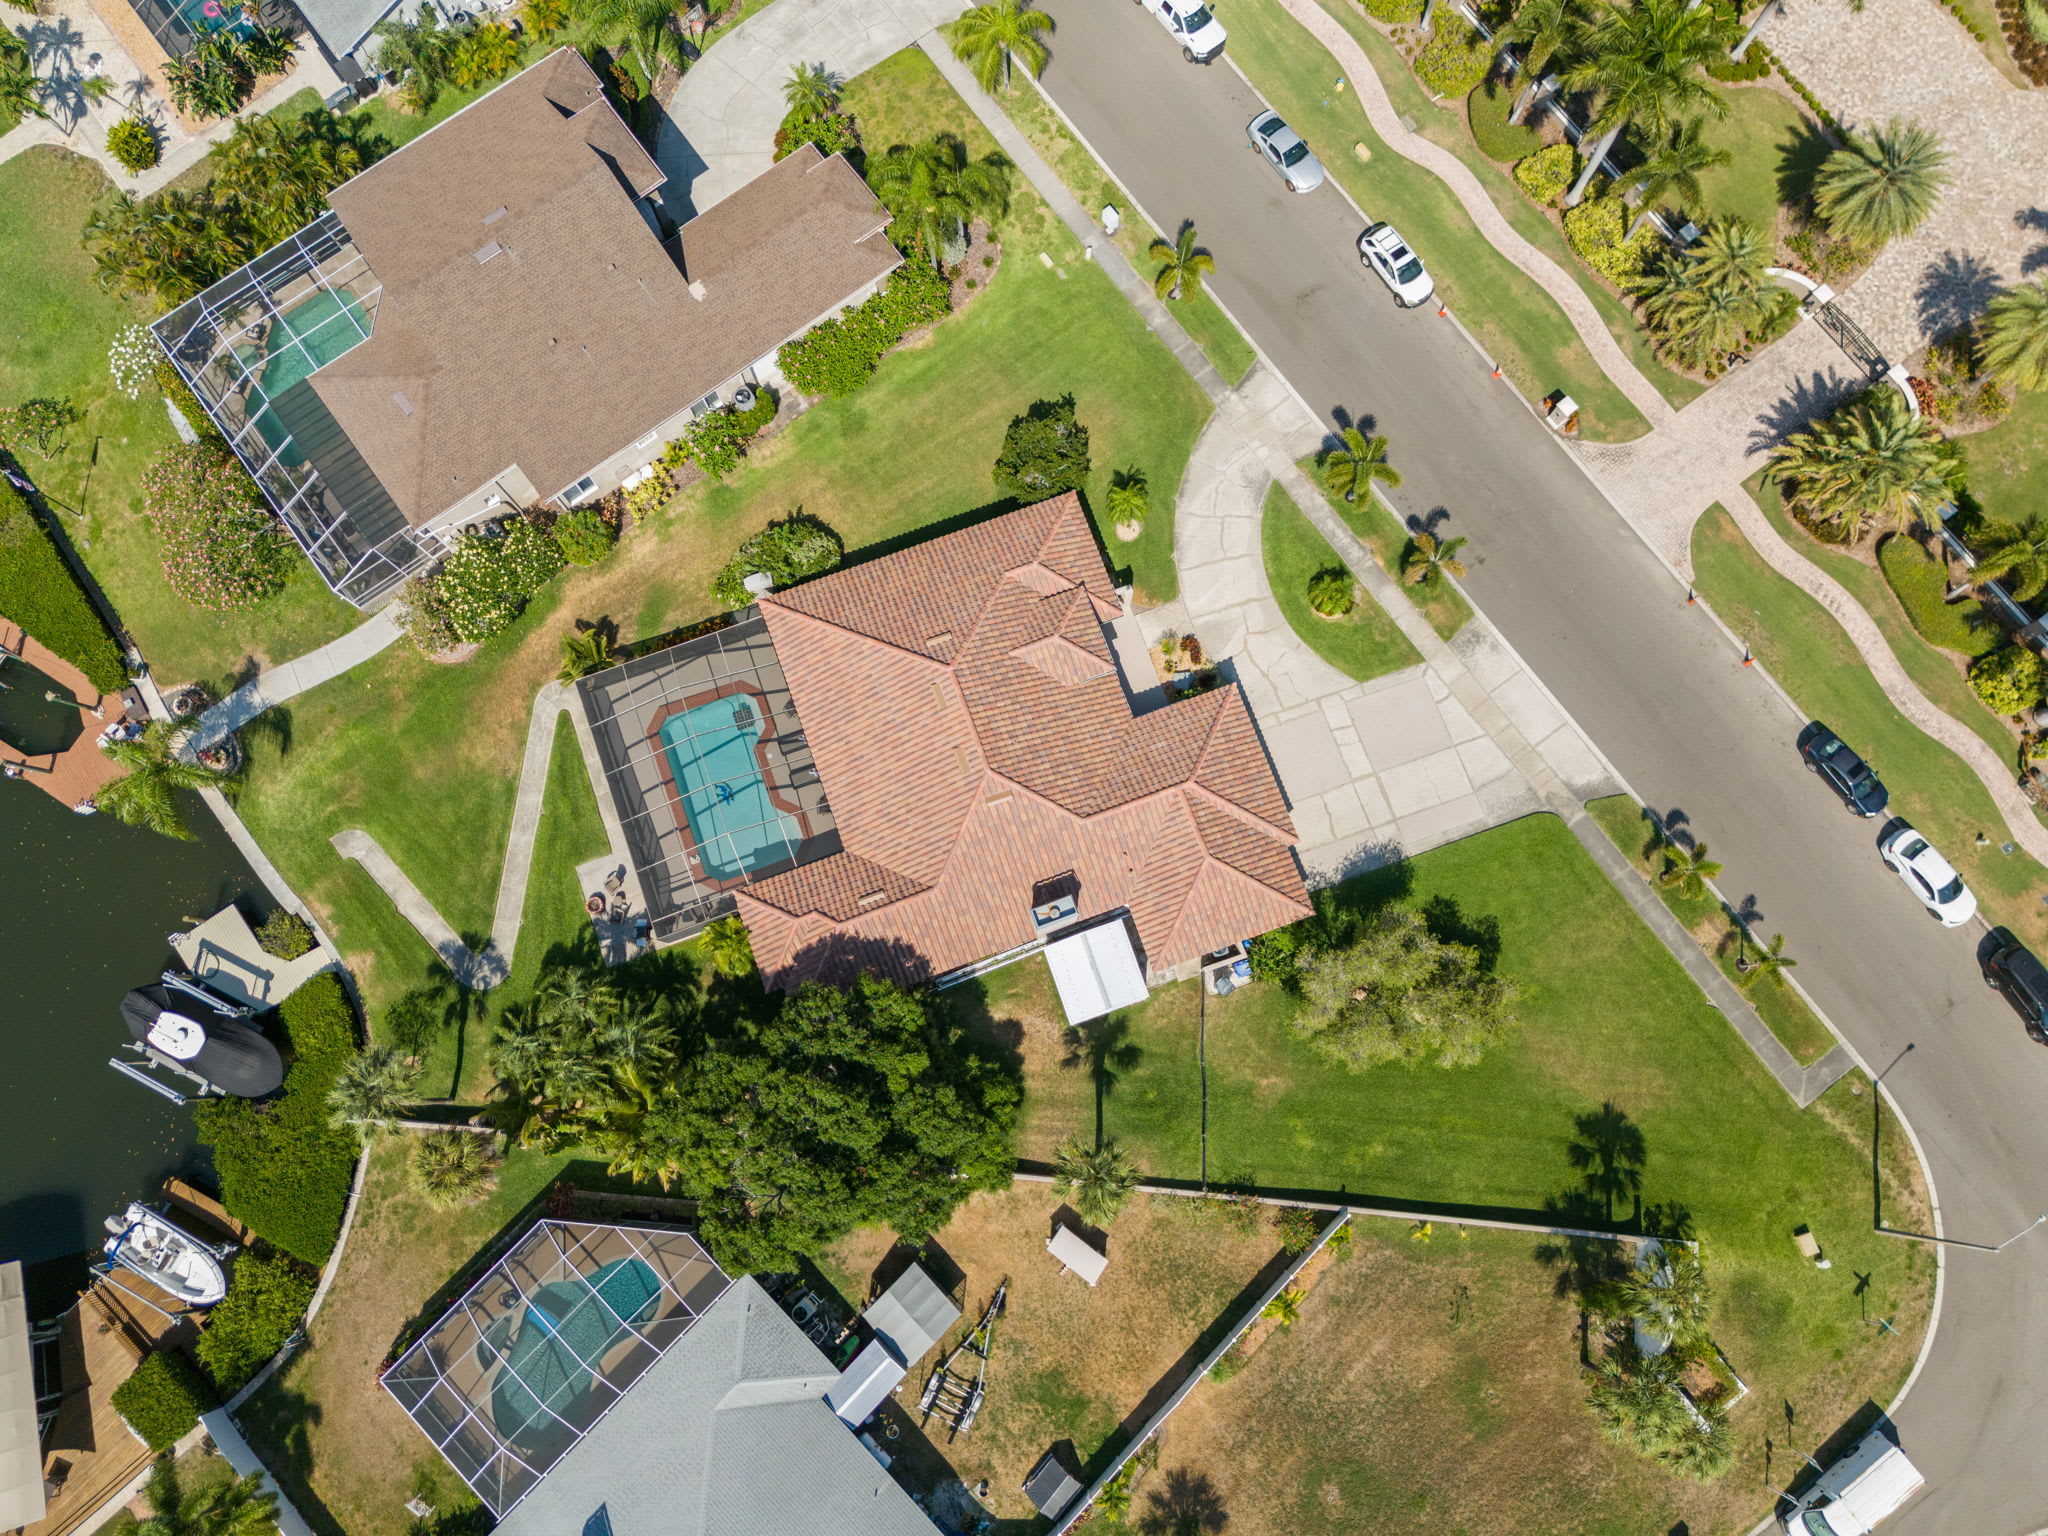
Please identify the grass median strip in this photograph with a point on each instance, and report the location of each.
(1364, 643)
(1513, 318)
(1382, 533)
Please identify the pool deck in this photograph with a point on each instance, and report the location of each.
(81, 770)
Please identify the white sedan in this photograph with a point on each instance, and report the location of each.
(1930, 877)
(1383, 251)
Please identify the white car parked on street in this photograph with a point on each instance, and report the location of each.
(1191, 24)
(1929, 876)
(1285, 150)
(1383, 251)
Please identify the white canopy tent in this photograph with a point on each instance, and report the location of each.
(1073, 1252)
(21, 1449)
(1096, 971)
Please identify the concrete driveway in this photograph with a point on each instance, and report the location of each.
(1605, 624)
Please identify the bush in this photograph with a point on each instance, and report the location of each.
(792, 550)
(38, 592)
(134, 145)
(267, 1297)
(163, 1398)
(1330, 592)
(1045, 452)
(1753, 65)
(584, 536)
(1920, 583)
(833, 132)
(454, 1167)
(1298, 1228)
(223, 549)
(284, 1167)
(285, 934)
(492, 571)
(1276, 956)
(427, 623)
(1548, 174)
(37, 426)
(2008, 679)
(1455, 59)
(1498, 139)
(715, 443)
(1232, 1362)
(1598, 231)
(1393, 12)
(836, 357)
(180, 394)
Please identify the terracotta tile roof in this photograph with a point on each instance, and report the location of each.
(968, 722)
(530, 316)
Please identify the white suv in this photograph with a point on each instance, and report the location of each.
(1191, 24)
(1383, 251)
(1929, 876)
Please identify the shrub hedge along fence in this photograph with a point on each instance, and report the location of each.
(284, 1170)
(163, 1399)
(38, 592)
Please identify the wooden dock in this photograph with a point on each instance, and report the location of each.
(81, 770)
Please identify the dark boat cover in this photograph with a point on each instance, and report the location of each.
(231, 1055)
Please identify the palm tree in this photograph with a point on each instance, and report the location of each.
(18, 82)
(1284, 1309)
(372, 1090)
(989, 36)
(1701, 322)
(236, 1506)
(1545, 29)
(1872, 464)
(811, 90)
(648, 27)
(1637, 1403)
(1099, 1180)
(147, 795)
(2016, 552)
(1183, 265)
(1731, 254)
(1687, 870)
(584, 651)
(420, 55)
(1769, 961)
(2013, 335)
(1882, 187)
(1428, 559)
(1130, 499)
(935, 189)
(452, 1167)
(1354, 462)
(544, 18)
(1332, 593)
(1675, 169)
(1703, 1448)
(1645, 61)
(729, 947)
(1669, 1297)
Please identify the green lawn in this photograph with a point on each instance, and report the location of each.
(60, 325)
(1084, 176)
(1516, 321)
(1759, 128)
(1364, 643)
(1806, 651)
(2008, 464)
(424, 757)
(1608, 1018)
(1783, 1010)
(1920, 583)
(1382, 533)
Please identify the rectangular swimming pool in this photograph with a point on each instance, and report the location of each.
(734, 822)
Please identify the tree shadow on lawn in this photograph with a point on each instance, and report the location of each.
(277, 1421)
(1188, 1505)
(1105, 1048)
(1800, 158)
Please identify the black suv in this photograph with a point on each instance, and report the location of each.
(1852, 778)
(2016, 972)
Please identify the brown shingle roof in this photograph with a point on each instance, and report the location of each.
(967, 719)
(576, 332)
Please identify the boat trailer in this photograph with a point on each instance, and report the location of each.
(956, 1386)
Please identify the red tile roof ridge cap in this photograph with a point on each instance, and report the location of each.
(1208, 862)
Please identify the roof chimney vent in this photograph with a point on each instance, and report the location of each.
(404, 405)
(697, 290)
(493, 249)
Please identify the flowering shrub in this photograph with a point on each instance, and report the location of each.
(584, 536)
(427, 623)
(716, 443)
(132, 360)
(492, 571)
(1546, 174)
(1598, 231)
(836, 357)
(134, 145)
(1455, 60)
(37, 424)
(797, 547)
(222, 547)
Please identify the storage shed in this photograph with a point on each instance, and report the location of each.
(1073, 1252)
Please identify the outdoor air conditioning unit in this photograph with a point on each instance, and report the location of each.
(743, 398)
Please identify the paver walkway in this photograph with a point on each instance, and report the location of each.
(287, 680)
(719, 132)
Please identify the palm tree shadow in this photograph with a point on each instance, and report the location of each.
(1810, 398)
(1429, 522)
(1105, 1048)
(1953, 291)
(1800, 158)
(1608, 1152)
(1188, 1505)
(1364, 421)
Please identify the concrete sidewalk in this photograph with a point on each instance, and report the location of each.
(274, 685)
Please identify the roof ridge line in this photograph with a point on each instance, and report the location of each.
(1251, 818)
(859, 634)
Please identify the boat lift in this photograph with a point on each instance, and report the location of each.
(950, 1392)
(142, 1073)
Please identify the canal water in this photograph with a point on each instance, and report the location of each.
(85, 907)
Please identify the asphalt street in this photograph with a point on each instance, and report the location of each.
(1655, 684)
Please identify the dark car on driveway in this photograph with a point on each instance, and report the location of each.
(2015, 970)
(1851, 777)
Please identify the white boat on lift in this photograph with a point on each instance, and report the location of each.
(147, 1243)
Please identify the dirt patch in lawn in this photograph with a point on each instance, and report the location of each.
(1070, 1364)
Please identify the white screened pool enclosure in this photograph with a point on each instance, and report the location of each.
(536, 1352)
(248, 346)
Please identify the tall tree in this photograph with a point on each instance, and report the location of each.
(147, 795)
(934, 190)
(648, 27)
(20, 91)
(419, 55)
(1872, 464)
(1669, 1297)
(1883, 185)
(990, 36)
(1099, 1179)
(374, 1089)
(1547, 30)
(1182, 264)
(1351, 464)
(1401, 994)
(1674, 170)
(2016, 553)
(1645, 61)
(1771, 960)
(2013, 335)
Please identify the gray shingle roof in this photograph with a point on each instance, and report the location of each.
(342, 24)
(726, 1435)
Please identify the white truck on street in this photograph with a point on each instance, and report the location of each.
(1853, 1495)
(1191, 24)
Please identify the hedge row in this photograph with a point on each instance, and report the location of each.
(1921, 585)
(38, 592)
(163, 1398)
(284, 1169)
(836, 357)
(267, 1296)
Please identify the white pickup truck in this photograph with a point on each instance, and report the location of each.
(1191, 24)
(1850, 1497)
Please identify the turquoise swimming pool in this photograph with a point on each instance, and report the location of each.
(737, 828)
